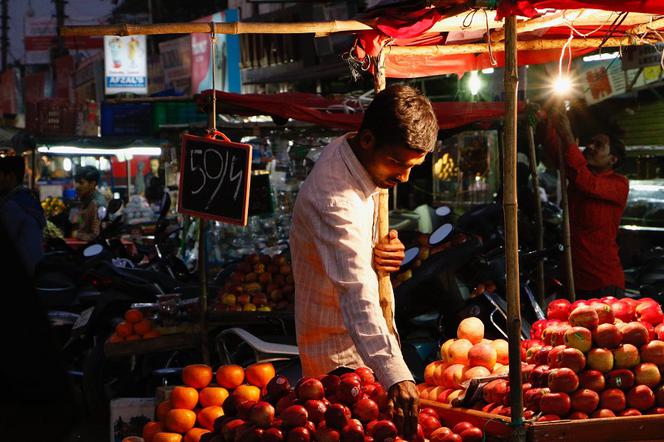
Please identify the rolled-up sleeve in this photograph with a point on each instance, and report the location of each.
(346, 246)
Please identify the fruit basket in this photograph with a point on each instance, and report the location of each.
(632, 428)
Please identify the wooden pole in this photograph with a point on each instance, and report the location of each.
(567, 236)
(539, 223)
(511, 230)
(384, 283)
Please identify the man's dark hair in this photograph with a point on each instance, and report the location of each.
(617, 149)
(88, 173)
(13, 164)
(401, 116)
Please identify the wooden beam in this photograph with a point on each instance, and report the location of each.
(531, 45)
(641, 29)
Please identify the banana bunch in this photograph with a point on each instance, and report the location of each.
(444, 168)
(52, 231)
(52, 206)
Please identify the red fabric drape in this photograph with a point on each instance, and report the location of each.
(527, 7)
(312, 108)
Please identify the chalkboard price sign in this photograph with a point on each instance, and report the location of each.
(214, 178)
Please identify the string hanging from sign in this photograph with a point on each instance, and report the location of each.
(213, 40)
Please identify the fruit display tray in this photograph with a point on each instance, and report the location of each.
(172, 342)
(613, 429)
(495, 427)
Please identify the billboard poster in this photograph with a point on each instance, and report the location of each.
(227, 55)
(41, 32)
(126, 67)
(175, 58)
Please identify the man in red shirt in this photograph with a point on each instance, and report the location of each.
(597, 197)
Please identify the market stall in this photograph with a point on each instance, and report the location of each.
(631, 29)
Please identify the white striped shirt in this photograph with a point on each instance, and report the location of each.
(338, 317)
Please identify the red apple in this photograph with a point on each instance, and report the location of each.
(310, 389)
(277, 388)
(330, 383)
(552, 359)
(659, 394)
(272, 435)
(558, 309)
(548, 418)
(429, 410)
(603, 412)
(600, 359)
(532, 397)
(626, 356)
(352, 433)
(472, 434)
(604, 313)
(261, 414)
(641, 397)
(613, 399)
(244, 408)
(653, 352)
(462, 426)
(366, 410)
(592, 380)
(584, 316)
(295, 416)
(655, 410)
(298, 434)
(229, 430)
(283, 403)
(563, 380)
(555, 403)
(366, 375)
(620, 378)
(607, 336)
(443, 434)
(554, 334)
(577, 416)
(579, 337)
(429, 423)
(650, 312)
(585, 400)
(353, 376)
(327, 434)
(630, 412)
(538, 327)
(623, 311)
(383, 430)
(248, 433)
(573, 359)
(539, 377)
(337, 416)
(647, 374)
(634, 333)
(350, 389)
(540, 354)
(659, 331)
(316, 410)
(495, 391)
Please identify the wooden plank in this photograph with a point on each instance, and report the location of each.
(496, 426)
(155, 345)
(617, 429)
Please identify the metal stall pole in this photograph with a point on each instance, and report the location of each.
(511, 231)
(567, 236)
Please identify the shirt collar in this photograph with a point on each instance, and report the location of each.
(356, 169)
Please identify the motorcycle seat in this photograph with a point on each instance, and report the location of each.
(429, 319)
(264, 351)
(89, 297)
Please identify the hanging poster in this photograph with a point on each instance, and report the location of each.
(125, 65)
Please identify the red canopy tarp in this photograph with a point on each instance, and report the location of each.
(312, 108)
(527, 7)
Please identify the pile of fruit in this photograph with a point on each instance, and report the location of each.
(596, 358)
(52, 206)
(467, 357)
(134, 328)
(348, 408)
(259, 283)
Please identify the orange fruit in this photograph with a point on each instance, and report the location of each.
(208, 415)
(248, 392)
(163, 408)
(179, 420)
(194, 435)
(143, 326)
(114, 339)
(133, 316)
(124, 329)
(133, 338)
(184, 397)
(212, 396)
(260, 374)
(167, 437)
(230, 376)
(133, 439)
(151, 334)
(150, 429)
(197, 375)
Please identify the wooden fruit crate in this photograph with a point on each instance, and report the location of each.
(495, 427)
(172, 342)
(613, 429)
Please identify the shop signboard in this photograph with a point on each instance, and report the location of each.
(175, 57)
(126, 67)
(214, 179)
(227, 71)
(41, 33)
(634, 57)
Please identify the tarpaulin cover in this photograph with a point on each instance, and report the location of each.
(527, 7)
(314, 109)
